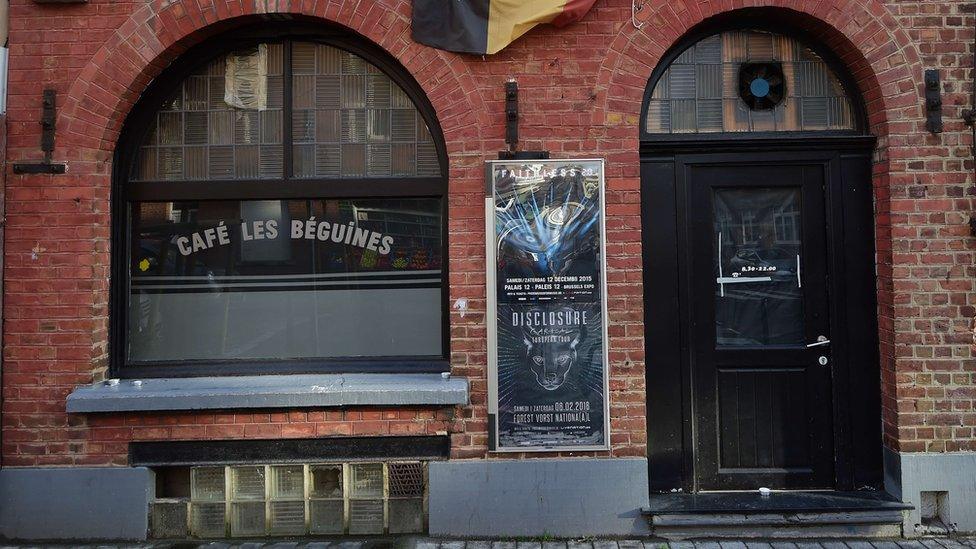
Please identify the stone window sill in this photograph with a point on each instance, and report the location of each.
(273, 391)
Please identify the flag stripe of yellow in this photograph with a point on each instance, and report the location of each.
(510, 19)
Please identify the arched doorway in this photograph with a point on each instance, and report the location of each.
(759, 281)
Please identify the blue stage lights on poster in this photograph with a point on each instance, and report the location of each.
(547, 302)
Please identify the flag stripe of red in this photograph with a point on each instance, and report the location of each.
(573, 11)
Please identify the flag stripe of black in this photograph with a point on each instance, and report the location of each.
(454, 25)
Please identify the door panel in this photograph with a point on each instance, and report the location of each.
(762, 415)
(758, 279)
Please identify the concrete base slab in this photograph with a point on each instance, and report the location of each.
(910, 474)
(538, 497)
(78, 503)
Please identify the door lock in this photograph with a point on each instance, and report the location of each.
(822, 360)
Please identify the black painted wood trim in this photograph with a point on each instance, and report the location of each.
(258, 189)
(663, 373)
(757, 142)
(386, 365)
(839, 324)
(317, 450)
(859, 308)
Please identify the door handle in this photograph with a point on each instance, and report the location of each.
(822, 340)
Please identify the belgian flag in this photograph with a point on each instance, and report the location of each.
(487, 26)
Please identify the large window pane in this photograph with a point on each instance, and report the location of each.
(276, 279)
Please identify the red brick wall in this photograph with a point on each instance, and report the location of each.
(3, 149)
(932, 200)
(581, 88)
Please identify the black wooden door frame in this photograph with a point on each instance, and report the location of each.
(848, 202)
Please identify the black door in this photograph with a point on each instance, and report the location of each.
(759, 327)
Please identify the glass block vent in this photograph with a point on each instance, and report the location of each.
(300, 499)
(287, 495)
(698, 92)
(327, 482)
(247, 483)
(207, 484)
(367, 480)
(406, 497)
(406, 480)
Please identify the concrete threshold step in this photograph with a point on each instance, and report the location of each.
(811, 531)
(853, 525)
(776, 516)
(776, 502)
(778, 519)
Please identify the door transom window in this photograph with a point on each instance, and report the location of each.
(747, 80)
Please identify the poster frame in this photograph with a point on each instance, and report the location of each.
(491, 316)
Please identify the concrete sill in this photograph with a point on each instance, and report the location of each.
(273, 391)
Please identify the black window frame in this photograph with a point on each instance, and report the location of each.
(126, 192)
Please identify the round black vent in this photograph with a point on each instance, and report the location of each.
(761, 85)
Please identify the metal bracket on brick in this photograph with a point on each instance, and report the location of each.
(49, 115)
(512, 128)
(933, 101)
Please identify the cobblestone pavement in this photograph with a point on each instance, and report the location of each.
(429, 543)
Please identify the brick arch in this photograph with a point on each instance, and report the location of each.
(90, 120)
(106, 89)
(868, 40)
(881, 59)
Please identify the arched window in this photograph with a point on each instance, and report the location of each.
(747, 81)
(283, 210)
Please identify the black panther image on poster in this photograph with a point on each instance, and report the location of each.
(551, 371)
(550, 375)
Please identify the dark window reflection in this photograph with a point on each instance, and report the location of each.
(285, 279)
(758, 299)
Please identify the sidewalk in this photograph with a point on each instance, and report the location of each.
(430, 543)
